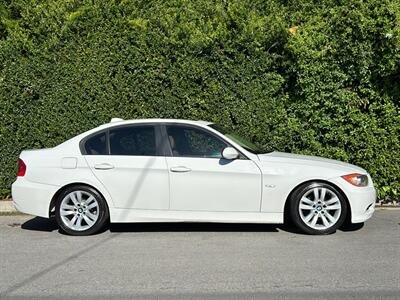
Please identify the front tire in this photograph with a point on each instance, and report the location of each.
(318, 208)
(81, 210)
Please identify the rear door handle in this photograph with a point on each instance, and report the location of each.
(180, 169)
(103, 166)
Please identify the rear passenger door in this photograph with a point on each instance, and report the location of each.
(128, 162)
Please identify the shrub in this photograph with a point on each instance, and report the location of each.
(306, 76)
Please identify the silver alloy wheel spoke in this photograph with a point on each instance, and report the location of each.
(307, 207)
(78, 224)
(89, 200)
(325, 221)
(316, 196)
(67, 206)
(79, 196)
(67, 212)
(307, 201)
(308, 218)
(332, 201)
(79, 210)
(73, 220)
(323, 193)
(328, 215)
(320, 208)
(73, 198)
(88, 221)
(335, 206)
(94, 204)
(314, 220)
(91, 216)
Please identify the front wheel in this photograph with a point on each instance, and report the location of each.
(318, 208)
(81, 210)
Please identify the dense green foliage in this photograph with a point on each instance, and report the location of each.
(306, 76)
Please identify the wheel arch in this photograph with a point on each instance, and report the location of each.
(286, 211)
(64, 187)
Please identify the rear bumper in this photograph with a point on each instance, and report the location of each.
(361, 199)
(32, 198)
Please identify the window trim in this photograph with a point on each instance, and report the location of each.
(169, 153)
(160, 149)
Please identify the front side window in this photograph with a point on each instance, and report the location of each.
(97, 144)
(133, 140)
(186, 141)
(241, 141)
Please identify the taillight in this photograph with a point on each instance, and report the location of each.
(21, 168)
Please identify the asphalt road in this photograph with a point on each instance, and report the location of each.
(197, 261)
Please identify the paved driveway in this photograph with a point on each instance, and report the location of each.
(196, 261)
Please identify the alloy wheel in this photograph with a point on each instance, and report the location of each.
(79, 210)
(320, 208)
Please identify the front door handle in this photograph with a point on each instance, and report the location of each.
(103, 166)
(180, 169)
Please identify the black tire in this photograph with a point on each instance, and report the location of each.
(103, 213)
(295, 213)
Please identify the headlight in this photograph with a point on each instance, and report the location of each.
(356, 179)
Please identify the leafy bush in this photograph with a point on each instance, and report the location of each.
(313, 77)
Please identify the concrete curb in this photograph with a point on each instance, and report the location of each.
(7, 206)
(383, 207)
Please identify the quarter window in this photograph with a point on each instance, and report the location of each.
(97, 144)
(192, 142)
(133, 140)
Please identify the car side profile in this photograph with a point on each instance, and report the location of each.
(167, 170)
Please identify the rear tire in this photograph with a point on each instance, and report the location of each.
(317, 208)
(81, 210)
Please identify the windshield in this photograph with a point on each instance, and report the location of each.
(241, 141)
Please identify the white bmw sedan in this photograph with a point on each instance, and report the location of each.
(161, 170)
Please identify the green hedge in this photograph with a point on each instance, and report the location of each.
(313, 77)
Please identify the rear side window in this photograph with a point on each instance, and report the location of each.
(133, 140)
(96, 145)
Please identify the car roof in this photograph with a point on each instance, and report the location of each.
(115, 121)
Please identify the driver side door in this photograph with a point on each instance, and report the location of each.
(201, 180)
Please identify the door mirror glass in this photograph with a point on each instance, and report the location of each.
(230, 153)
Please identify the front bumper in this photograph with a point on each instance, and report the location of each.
(361, 199)
(32, 198)
(362, 205)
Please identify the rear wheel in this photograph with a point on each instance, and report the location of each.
(81, 210)
(318, 208)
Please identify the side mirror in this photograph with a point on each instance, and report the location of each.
(230, 153)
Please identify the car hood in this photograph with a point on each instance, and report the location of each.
(310, 161)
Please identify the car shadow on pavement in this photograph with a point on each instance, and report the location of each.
(40, 224)
(215, 227)
(48, 225)
(352, 227)
(191, 227)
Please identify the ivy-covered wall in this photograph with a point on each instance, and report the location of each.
(304, 76)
